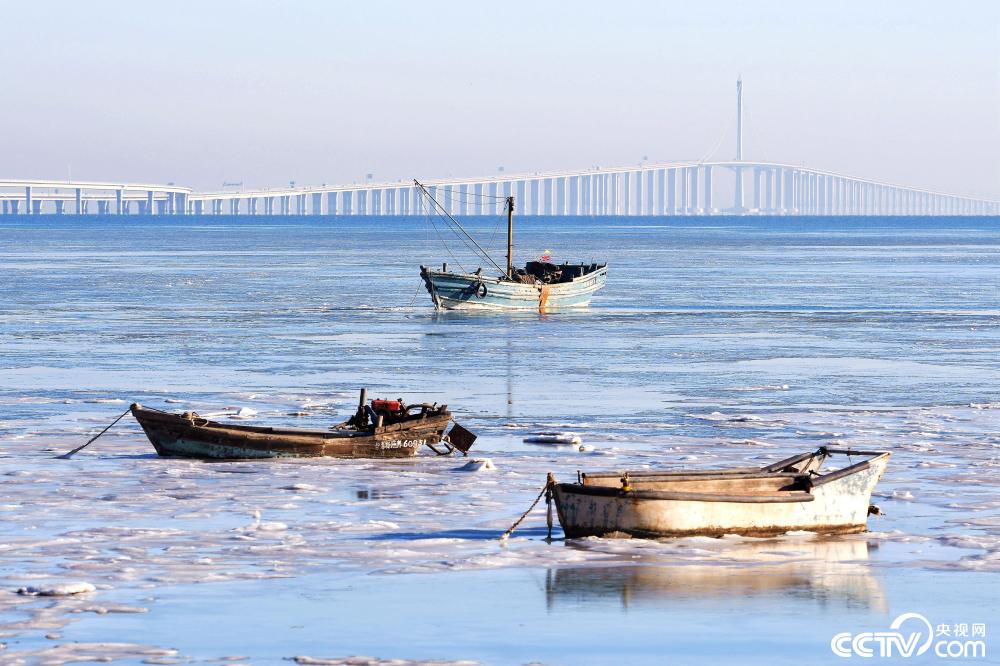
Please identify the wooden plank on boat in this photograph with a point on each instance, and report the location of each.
(461, 438)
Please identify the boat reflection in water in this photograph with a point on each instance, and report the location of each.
(824, 570)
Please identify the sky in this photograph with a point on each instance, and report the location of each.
(264, 93)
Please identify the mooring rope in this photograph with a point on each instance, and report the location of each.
(547, 492)
(415, 294)
(92, 439)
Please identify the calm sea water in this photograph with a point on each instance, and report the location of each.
(716, 342)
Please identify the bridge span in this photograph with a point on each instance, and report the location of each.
(679, 188)
(37, 197)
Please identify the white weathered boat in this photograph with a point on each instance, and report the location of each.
(788, 495)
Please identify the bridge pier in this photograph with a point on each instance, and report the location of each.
(600, 193)
(637, 205)
(757, 186)
(671, 192)
(707, 173)
(622, 202)
(695, 207)
(768, 204)
(650, 191)
(606, 194)
(610, 193)
(685, 186)
(805, 199)
(738, 190)
(786, 191)
(603, 186)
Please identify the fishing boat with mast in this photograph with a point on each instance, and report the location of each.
(540, 286)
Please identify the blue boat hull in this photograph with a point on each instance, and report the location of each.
(463, 291)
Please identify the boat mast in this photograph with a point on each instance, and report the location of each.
(510, 237)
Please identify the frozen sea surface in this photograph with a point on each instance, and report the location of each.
(722, 342)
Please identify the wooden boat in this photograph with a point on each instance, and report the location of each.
(540, 286)
(382, 429)
(790, 494)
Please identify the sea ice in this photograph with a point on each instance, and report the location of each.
(61, 590)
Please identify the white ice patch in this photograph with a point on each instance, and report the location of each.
(60, 590)
(477, 465)
(262, 526)
(556, 438)
(375, 661)
(304, 488)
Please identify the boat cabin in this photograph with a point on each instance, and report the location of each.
(544, 272)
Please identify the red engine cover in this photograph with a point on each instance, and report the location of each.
(387, 405)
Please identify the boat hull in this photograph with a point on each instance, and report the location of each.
(184, 436)
(839, 505)
(460, 291)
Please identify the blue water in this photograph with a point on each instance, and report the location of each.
(718, 341)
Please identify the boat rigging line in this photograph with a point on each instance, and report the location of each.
(430, 222)
(444, 213)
